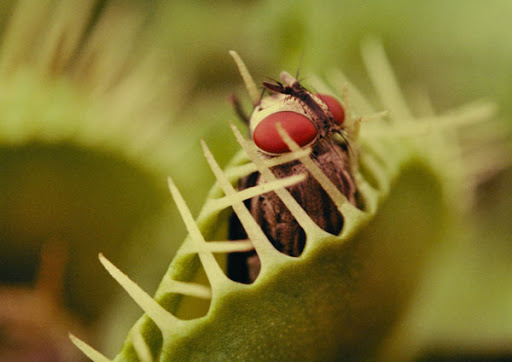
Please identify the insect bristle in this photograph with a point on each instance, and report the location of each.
(287, 78)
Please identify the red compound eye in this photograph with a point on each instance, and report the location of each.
(334, 106)
(298, 126)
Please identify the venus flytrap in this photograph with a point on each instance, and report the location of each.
(343, 293)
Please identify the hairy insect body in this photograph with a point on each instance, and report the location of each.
(310, 120)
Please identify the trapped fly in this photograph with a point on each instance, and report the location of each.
(311, 120)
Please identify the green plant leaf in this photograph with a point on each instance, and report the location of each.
(342, 296)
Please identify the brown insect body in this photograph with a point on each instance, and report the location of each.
(330, 154)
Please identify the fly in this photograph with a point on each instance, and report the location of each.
(311, 119)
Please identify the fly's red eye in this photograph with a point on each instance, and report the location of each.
(334, 106)
(298, 126)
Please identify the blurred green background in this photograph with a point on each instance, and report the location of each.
(100, 101)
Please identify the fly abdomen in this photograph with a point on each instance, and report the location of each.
(277, 222)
